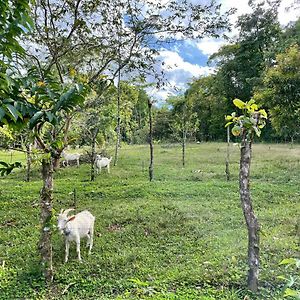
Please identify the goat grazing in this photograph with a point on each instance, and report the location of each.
(69, 157)
(102, 162)
(76, 227)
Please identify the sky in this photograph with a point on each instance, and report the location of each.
(186, 60)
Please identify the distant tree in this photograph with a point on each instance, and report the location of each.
(184, 120)
(162, 129)
(281, 92)
(210, 104)
(246, 126)
(241, 64)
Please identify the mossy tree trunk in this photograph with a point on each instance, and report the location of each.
(251, 220)
(46, 198)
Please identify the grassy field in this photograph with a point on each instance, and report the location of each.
(182, 236)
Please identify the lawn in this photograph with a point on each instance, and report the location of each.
(182, 236)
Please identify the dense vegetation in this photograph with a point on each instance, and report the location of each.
(181, 236)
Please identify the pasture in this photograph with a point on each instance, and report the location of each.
(181, 236)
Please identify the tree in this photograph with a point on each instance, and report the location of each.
(208, 101)
(241, 64)
(50, 101)
(14, 22)
(110, 37)
(150, 105)
(184, 120)
(281, 92)
(246, 126)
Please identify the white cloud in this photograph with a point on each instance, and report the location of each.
(178, 73)
(209, 46)
(174, 63)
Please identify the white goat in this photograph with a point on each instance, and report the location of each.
(76, 227)
(69, 157)
(102, 162)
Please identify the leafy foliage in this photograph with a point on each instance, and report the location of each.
(251, 121)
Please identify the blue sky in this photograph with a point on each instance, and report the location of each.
(185, 60)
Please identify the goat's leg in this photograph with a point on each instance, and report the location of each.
(91, 238)
(88, 240)
(78, 248)
(67, 250)
(108, 169)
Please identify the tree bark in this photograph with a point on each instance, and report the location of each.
(46, 197)
(93, 154)
(150, 141)
(251, 220)
(28, 162)
(183, 147)
(227, 171)
(118, 114)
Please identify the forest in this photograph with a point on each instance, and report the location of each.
(194, 195)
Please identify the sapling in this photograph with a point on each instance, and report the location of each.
(249, 123)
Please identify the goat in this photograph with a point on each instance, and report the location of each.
(75, 227)
(102, 162)
(69, 157)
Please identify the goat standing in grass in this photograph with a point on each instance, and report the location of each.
(102, 162)
(75, 227)
(69, 157)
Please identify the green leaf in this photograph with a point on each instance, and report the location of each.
(50, 116)
(35, 118)
(2, 113)
(263, 113)
(227, 124)
(239, 103)
(13, 112)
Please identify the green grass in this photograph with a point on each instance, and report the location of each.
(182, 236)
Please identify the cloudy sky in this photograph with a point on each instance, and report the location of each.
(187, 60)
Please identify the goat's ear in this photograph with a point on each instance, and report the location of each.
(71, 218)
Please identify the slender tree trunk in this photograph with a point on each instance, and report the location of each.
(46, 197)
(28, 162)
(93, 154)
(251, 220)
(150, 141)
(227, 171)
(118, 115)
(183, 147)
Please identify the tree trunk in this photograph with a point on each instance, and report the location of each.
(93, 155)
(183, 147)
(118, 117)
(251, 220)
(28, 162)
(227, 171)
(150, 141)
(45, 245)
